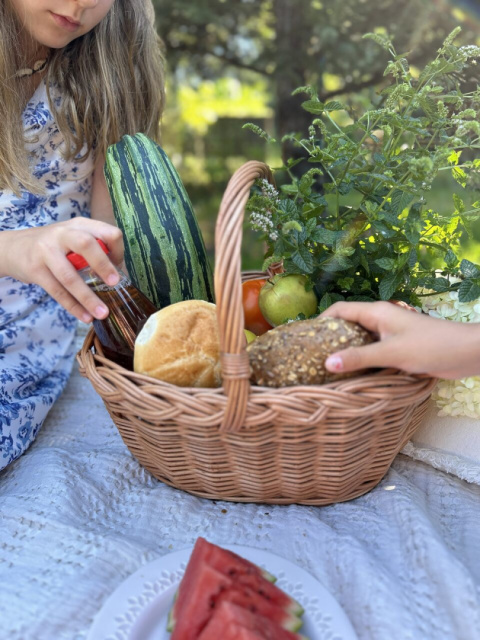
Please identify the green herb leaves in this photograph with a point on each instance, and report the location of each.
(358, 222)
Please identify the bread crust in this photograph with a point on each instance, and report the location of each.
(180, 345)
(295, 353)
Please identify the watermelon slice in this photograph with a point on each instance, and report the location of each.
(230, 615)
(197, 601)
(237, 632)
(209, 588)
(215, 576)
(269, 591)
(251, 600)
(221, 560)
(247, 574)
(227, 560)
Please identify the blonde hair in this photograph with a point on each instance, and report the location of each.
(111, 81)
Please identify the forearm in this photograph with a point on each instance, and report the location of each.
(441, 348)
(463, 350)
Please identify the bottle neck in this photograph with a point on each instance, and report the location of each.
(93, 280)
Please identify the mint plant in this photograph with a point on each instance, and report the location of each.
(362, 235)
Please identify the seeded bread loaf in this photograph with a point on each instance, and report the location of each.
(295, 353)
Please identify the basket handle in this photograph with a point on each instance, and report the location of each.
(228, 292)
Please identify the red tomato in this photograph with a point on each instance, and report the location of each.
(254, 320)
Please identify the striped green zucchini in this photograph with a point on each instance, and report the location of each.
(164, 250)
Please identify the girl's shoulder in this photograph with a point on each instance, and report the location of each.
(37, 112)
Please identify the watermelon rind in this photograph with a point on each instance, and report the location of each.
(171, 621)
(296, 608)
(171, 616)
(268, 576)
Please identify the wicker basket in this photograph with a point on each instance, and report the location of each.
(308, 445)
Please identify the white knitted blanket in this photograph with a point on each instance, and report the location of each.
(79, 515)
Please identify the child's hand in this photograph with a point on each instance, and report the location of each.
(38, 256)
(412, 342)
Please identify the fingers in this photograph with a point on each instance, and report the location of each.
(368, 314)
(86, 245)
(111, 236)
(382, 318)
(68, 279)
(377, 354)
(59, 293)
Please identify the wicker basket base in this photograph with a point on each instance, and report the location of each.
(222, 480)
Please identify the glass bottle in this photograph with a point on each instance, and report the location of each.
(128, 309)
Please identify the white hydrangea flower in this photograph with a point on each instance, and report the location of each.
(455, 398)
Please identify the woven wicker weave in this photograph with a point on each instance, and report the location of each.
(308, 445)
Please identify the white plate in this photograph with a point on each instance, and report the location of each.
(138, 608)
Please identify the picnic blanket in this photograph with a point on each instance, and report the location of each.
(78, 515)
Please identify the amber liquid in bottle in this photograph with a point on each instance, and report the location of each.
(128, 309)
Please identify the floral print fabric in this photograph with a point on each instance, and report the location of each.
(36, 333)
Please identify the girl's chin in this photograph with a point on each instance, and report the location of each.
(53, 41)
(51, 36)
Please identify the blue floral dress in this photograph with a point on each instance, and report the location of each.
(36, 333)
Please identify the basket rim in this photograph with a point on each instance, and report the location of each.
(393, 378)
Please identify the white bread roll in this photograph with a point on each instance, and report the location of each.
(180, 345)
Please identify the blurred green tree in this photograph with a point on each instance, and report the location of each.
(233, 61)
(299, 42)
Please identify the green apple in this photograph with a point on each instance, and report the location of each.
(283, 298)
(250, 336)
